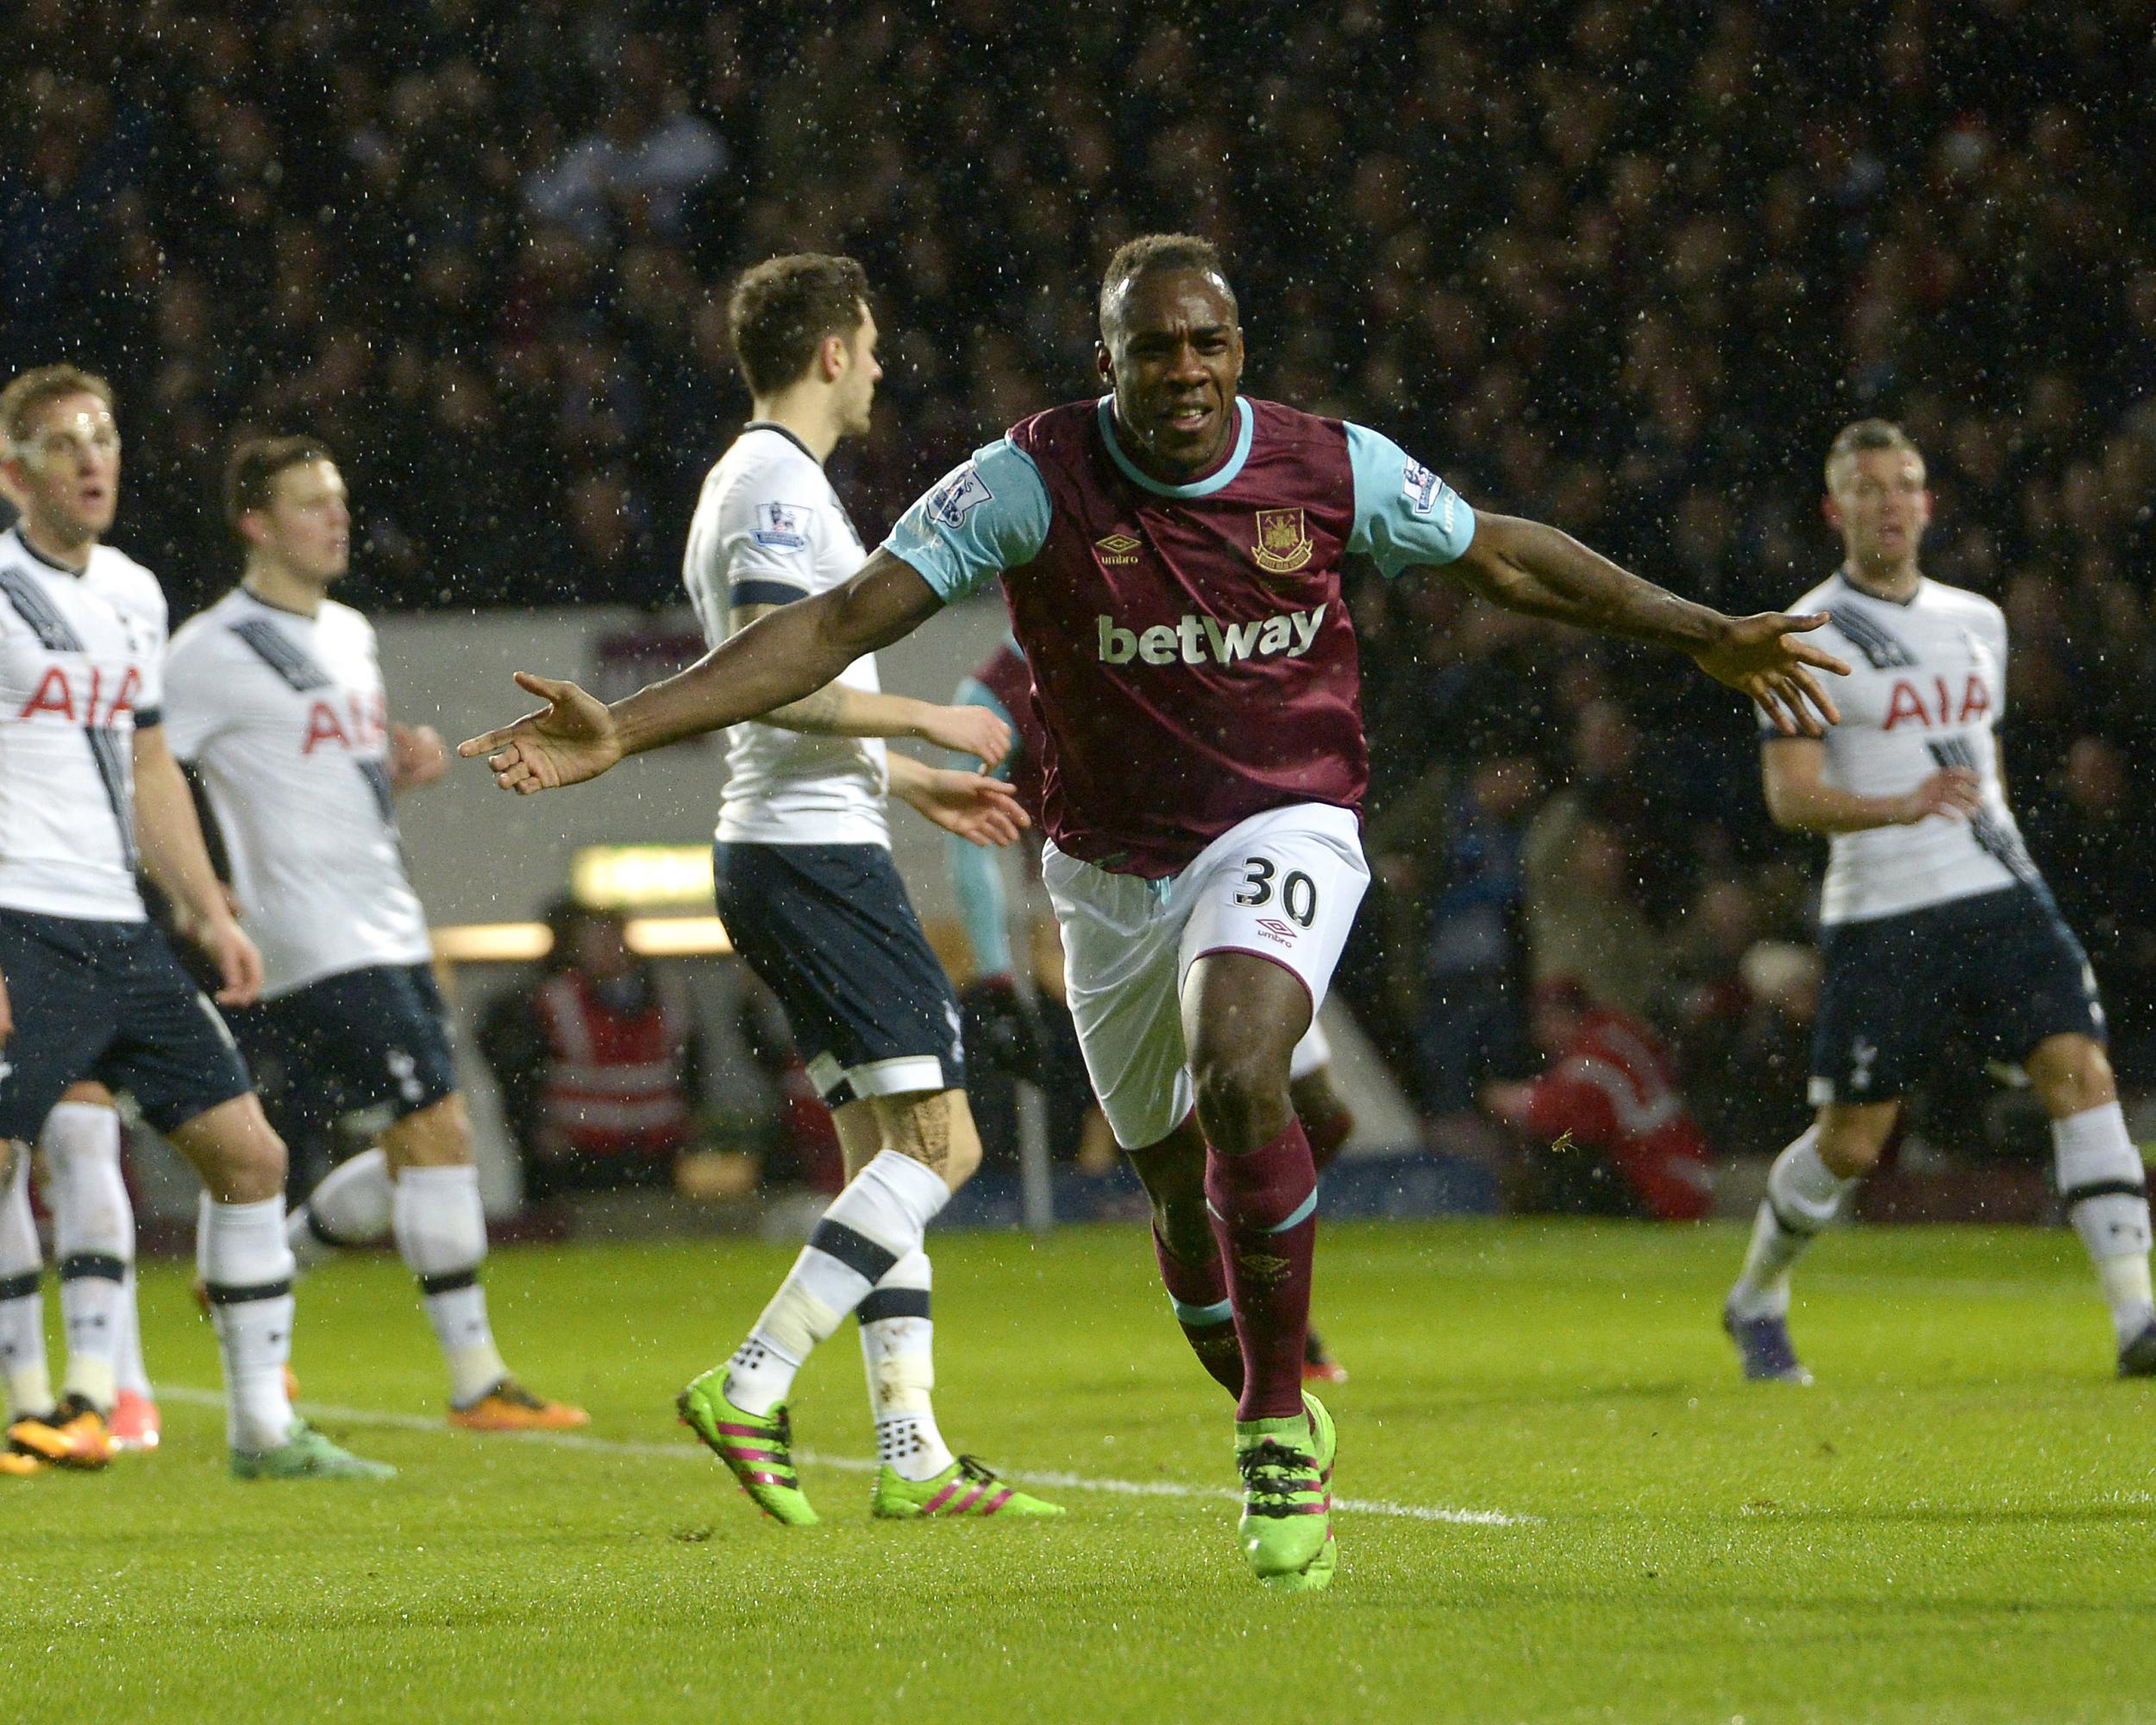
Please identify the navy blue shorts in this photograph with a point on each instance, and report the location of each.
(360, 1039)
(107, 1000)
(2003, 966)
(830, 930)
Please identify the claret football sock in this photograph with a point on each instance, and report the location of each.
(93, 1239)
(897, 1349)
(22, 1364)
(2105, 1190)
(1804, 1197)
(246, 1271)
(1265, 1206)
(352, 1205)
(879, 1219)
(441, 1229)
(1198, 1293)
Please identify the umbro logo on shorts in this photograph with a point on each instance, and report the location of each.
(1284, 933)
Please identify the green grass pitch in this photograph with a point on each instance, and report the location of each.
(1954, 1526)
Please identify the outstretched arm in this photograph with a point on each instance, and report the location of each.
(779, 658)
(835, 710)
(1524, 566)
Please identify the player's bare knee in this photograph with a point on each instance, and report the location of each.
(436, 1136)
(1850, 1143)
(935, 1129)
(2073, 1074)
(235, 1150)
(1242, 1096)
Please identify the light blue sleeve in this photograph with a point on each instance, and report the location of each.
(1405, 517)
(985, 516)
(977, 870)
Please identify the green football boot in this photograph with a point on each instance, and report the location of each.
(306, 1454)
(757, 1448)
(1287, 1525)
(965, 1488)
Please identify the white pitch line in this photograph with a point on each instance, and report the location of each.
(686, 1451)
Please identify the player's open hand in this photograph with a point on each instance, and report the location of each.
(979, 809)
(1954, 792)
(418, 755)
(570, 739)
(239, 964)
(968, 729)
(1760, 656)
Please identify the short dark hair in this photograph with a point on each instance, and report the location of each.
(1151, 252)
(1862, 436)
(782, 310)
(251, 471)
(31, 390)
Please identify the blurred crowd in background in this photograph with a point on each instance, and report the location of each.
(1623, 267)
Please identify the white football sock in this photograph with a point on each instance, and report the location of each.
(350, 1207)
(898, 1348)
(879, 1219)
(1803, 1196)
(2106, 1192)
(133, 1377)
(441, 1229)
(247, 1268)
(23, 1365)
(93, 1239)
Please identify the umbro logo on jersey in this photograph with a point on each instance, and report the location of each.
(1118, 547)
(1192, 639)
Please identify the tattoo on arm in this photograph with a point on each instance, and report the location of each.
(1526, 566)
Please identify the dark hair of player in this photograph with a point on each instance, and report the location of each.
(24, 395)
(250, 473)
(783, 309)
(1149, 253)
(1862, 436)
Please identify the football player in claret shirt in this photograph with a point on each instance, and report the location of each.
(274, 698)
(1171, 558)
(88, 791)
(1932, 912)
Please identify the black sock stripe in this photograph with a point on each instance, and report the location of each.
(78, 1264)
(229, 1294)
(2104, 1188)
(855, 1250)
(1781, 1221)
(450, 1280)
(19, 1287)
(317, 1227)
(893, 1302)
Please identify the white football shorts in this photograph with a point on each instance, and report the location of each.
(1283, 885)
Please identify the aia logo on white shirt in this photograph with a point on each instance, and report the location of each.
(92, 697)
(356, 722)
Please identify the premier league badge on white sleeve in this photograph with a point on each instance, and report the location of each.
(961, 492)
(781, 524)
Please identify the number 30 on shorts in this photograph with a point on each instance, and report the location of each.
(1298, 893)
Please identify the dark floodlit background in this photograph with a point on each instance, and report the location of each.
(1623, 267)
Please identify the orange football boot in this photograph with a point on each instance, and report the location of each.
(508, 1407)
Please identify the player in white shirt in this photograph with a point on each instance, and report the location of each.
(1932, 911)
(88, 791)
(274, 698)
(808, 893)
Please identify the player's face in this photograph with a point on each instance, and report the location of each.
(67, 472)
(1174, 355)
(307, 524)
(858, 384)
(1878, 504)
